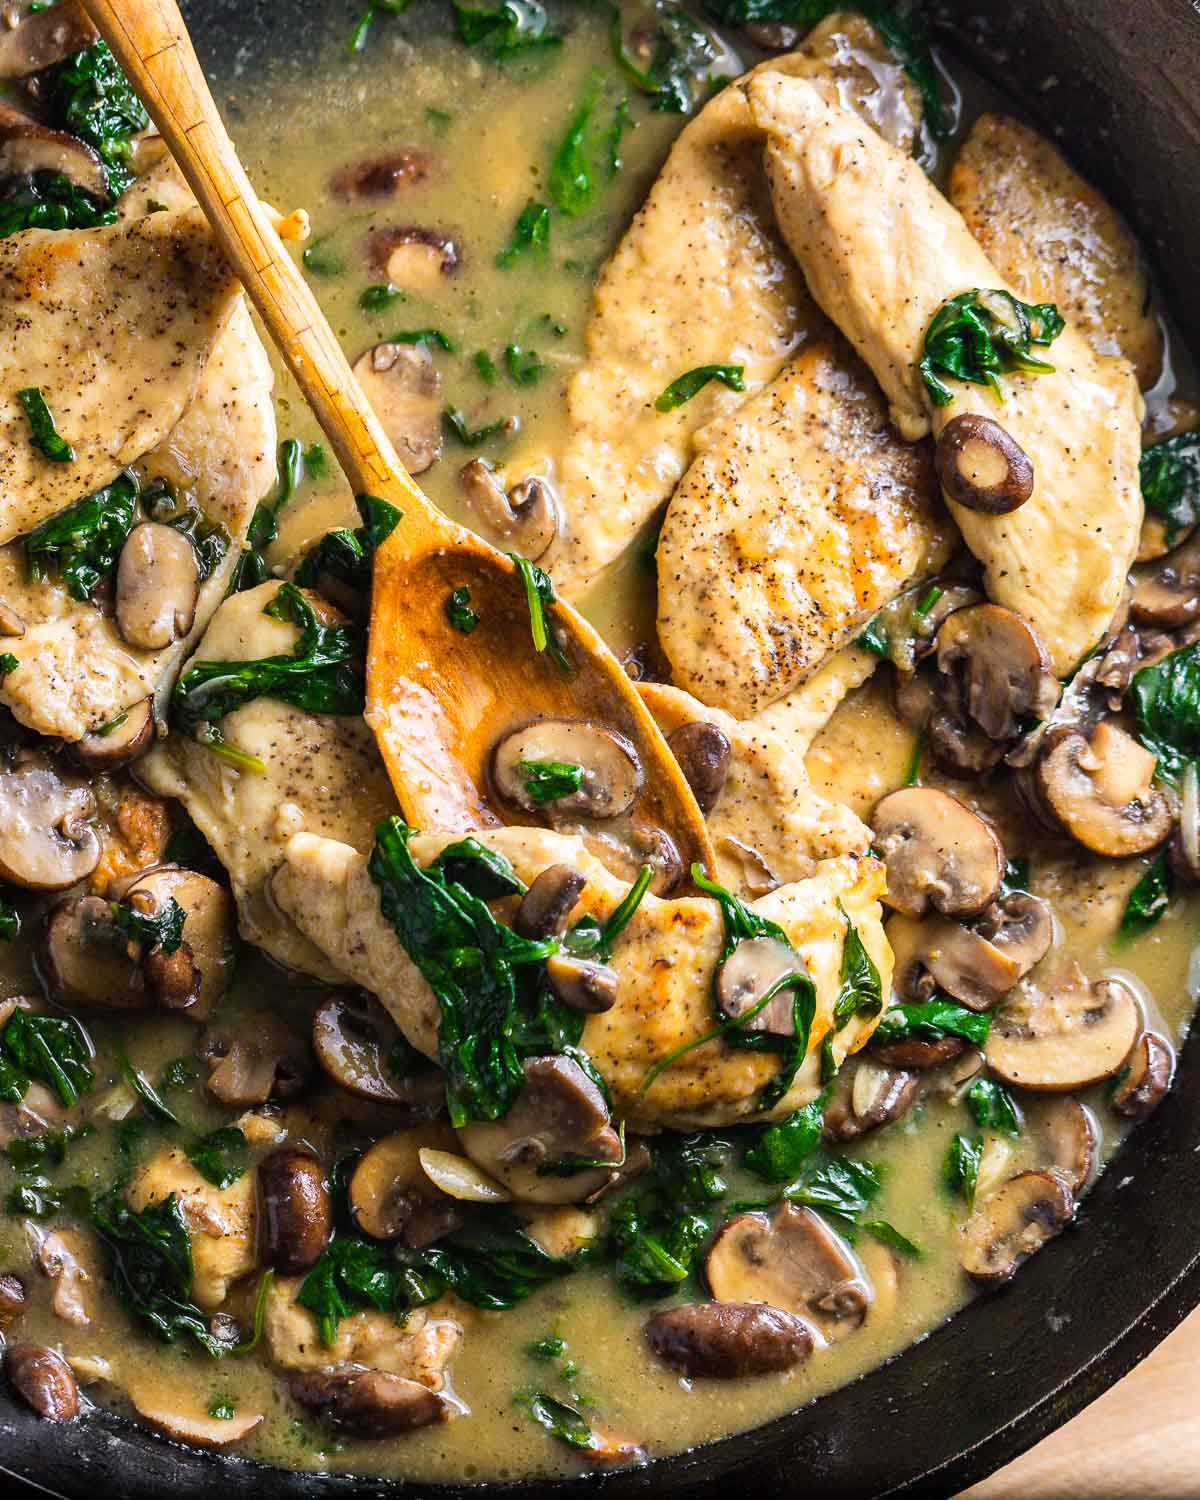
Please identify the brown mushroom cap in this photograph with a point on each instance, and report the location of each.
(793, 1261)
(582, 983)
(940, 954)
(526, 519)
(47, 842)
(209, 925)
(728, 1340)
(413, 256)
(296, 1213)
(403, 386)
(368, 1403)
(158, 583)
(938, 853)
(612, 770)
(354, 1038)
(624, 847)
(1013, 1222)
(12, 1298)
(392, 1197)
(1071, 1036)
(42, 38)
(982, 467)
(866, 1097)
(387, 175)
(1003, 668)
(704, 755)
(748, 973)
(1168, 594)
(547, 905)
(559, 1115)
(83, 962)
(1151, 1067)
(43, 1380)
(918, 1053)
(124, 739)
(27, 147)
(1072, 1142)
(1021, 926)
(255, 1058)
(1101, 790)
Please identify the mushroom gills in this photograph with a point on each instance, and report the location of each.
(1012, 1223)
(525, 519)
(47, 842)
(1073, 1035)
(392, 1197)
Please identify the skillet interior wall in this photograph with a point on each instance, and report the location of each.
(1096, 1300)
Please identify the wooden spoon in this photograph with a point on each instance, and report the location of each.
(437, 700)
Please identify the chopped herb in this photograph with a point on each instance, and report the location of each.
(1148, 900)
(530, 232)
(42, 1153)
(934, 1019)
(177, 1074)
(220, 1156)
(980, 335)
(45, 437)
(439, 120)
(993, 1107)
(875, 639)
(843, 1189)
(586, 152)
(547, 780)
(1170, 476)
(861, 990)
(539, 596)
(248, 1346)
(486, 367)
(380, 297)
(612, 140)
(524, 366)
(546, 1349)
(349, 556)
(1166, 710)
(515, 27)
(358, 37)
(146, 1092)
(90, 97)
(163, 929)
(961, 1167)
(783, 1148)
(221, 1409)
(829, 1062)
(927, 601)
(472, 437)
(53, 1049)
(425, 336)
(560, 1420)
(264, 527)
(459, 611)
(888, 1234)
(321, 259)
(322, 675)
(912, 772)
(9, 663)
(694, 381)
(86, 538)
(683, 51)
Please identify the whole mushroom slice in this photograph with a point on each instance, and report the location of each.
(755, 966)
(791, 1260)
(623, 846)
(28, 147)
(524, 519)
(582, 983)
(64, 1255)
(940, 954)
(1100, 790)
(1076, 1034)
(42, 38)
(560, 1118)
(84, 963)
(867, 1097)
(403, 386)
(47, 842)
(547, 905)
(612, 774)
(296, 1213)
(158, 584)
(253, 1059)
(1012, 1223)
(1021, 926)
(1168, 593)
(43, 1380)
(704, 755)
(1072, 1142)
(13, 1299)
(368, 1403)
(392, 1197)
(938, 853)
(1148, 1076)
(386, 175)
(124, 739)
(354, 1040)
(209, 927)
(981, 466)
(728, 1340)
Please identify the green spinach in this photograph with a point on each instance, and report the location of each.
(86, 538)
(560, 1420)
(887, 1234)
(934, 1019)
(992, 1107)
(346, 556)
(473, 437)
(513, 28)
(531, 232)
(980, 335)
(459, 612)
(539, 596)
(53, 1049)
(783, 1148)
(547, 780)
(655, 1233)
(683, 51)
(163, 929)
(1170, 476)
(1148, 900)
(89, 96)
(48, 200)
(961, 1167)
(860, 992)
(220, 1156)
(1166, 710)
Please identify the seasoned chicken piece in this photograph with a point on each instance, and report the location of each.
(76, 671)
(882, 250)
(802, 514)
(322, 773)
(799, 716)
(1056, 239)
(664, 959)
(222, 1222)
(699, 278)
(420, 1348)
(114, 326)
(768, 825)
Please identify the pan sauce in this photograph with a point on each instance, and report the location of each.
(295, 125)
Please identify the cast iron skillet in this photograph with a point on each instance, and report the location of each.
(1014, 1365)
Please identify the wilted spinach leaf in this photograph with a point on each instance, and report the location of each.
(531, 232)
(961, 1168)
(783, 1148)
(1170, 475)
(860, 992)
(1148, 900)
(980, 335)
(559, 1420)
(682, 51)
(48, 200)
(539, 595)
(1166, 710)
(514, 27)
(220, 1156)
(842, 1188)
(349, 556)
(162, 929)
(993, 1107)
(934, 1019)
(44, 436)
(547, 780)
(459, 612)
(53, 1049)
(693, 382)
(86, 538)
(89, 96)
(655, 1233)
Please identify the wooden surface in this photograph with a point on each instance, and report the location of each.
(1140, 1439)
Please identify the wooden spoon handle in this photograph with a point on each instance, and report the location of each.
(151, 42)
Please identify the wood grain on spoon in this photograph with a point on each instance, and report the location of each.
(436, 699)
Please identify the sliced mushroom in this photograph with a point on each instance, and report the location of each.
(42, 38)
(526, 519)
(1071, 1036)
(84, 963)
(547, 905)
(938, 853)
(704, 755)
(209, 927)
(368, 1403)
(47, 842)
(413, 257)
(793, 1261)
(255, 1059)
(124, 739)
(953, 597)
(188, 1421)
(624, 847)
(297, 1215)
(43, 1380)
(28, 147)
(560, 1118)
(612, 771)
(918, 1053)
(1168, 594)
(982, 467)
(387, 175)
(754, 966)
(1009, 1225)
(354, 1039)
(63, 1255)
(727, 1340)
(1020, 926)
(1151, 1067)
(158, 584)
(403, 386)
(582, 983)
(867, 1097)
(1072, 1142)
(995, 675)
(392, 1197)
(940, 954)
(13, 1299)
(1100, 790)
